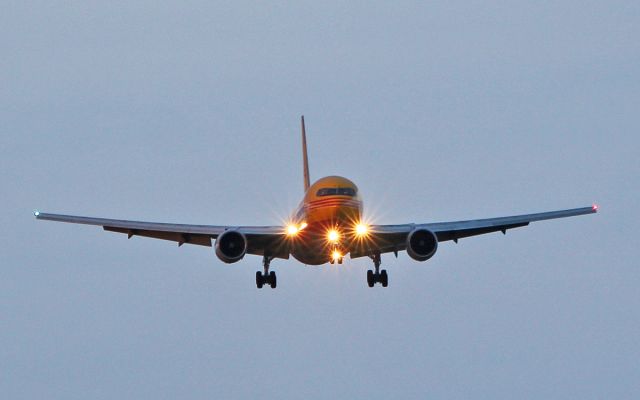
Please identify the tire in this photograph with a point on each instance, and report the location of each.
(272, 279)
(384, 278)
(370, 280)
(259, 280)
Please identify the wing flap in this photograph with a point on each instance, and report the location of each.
(461, 229)
(211, 230)
(463, 233)
(262, 239)
(179, 237)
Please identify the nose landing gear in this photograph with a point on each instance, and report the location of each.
(338, 260)
(336, 255)
(266, 277)
(378, 276)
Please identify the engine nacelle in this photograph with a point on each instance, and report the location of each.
(231, 246)
(421, 244)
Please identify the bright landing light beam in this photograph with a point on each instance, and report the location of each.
(362, 230)
(292, 230)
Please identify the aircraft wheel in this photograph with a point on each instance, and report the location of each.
(259, 279)
(272, 279)
(384, 278)
(370, 279)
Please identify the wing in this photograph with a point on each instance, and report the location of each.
(388, 238)
(259, 238)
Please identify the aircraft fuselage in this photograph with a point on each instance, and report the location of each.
(326, 220)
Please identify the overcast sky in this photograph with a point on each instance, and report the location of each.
(189, 112)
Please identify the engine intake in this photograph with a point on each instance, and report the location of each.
(421, 244)
(231, 246)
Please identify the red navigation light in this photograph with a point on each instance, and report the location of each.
(594, 207)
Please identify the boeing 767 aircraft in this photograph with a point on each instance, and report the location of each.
(326, 226)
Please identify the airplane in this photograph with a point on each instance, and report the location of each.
(326, 226)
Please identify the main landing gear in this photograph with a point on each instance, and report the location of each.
(266, 278)
(378, 276)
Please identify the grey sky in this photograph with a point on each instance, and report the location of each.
(189, 112)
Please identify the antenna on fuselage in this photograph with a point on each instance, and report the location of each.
(305, 159)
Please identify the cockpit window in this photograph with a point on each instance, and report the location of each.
(336, 192)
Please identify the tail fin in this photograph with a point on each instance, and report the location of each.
(305, 160)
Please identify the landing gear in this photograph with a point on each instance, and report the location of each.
(262, 280)
(370, 279)
(259, 279)
(272, 279)
(336, 256)
(266, 277)
(377, 276)
(374, 277)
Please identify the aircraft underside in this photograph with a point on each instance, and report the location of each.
(325, 242)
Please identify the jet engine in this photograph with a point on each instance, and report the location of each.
(421, 244)
(231, 246)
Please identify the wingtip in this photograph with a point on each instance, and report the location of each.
(36, 213)
(595, 207)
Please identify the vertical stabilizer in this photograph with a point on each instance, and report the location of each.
(305, 160)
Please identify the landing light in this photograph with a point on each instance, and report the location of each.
(336, 255)
(292, 230)
(362, 229)
(333, 235)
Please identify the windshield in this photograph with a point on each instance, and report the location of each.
(336, 192)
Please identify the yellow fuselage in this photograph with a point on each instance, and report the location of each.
(328, 215)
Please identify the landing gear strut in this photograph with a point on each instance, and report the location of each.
(336, 256)
(266, 278)
(377, 276)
